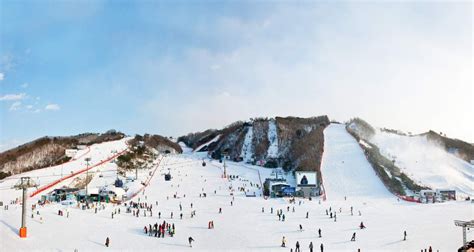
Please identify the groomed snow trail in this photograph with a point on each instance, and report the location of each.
(345, 169)
(247, 151)
(272, 151)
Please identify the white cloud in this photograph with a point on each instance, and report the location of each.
(24, 85)
(52, 106)
(2, 76)
(29, 106)
(13, 97)
(15, 106)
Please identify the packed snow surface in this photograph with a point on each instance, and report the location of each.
(426, 162)
(241, 226)
(272, 151)
(346, 171)
(207, 144)
(247, 151)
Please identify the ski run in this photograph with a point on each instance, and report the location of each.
(230, 214)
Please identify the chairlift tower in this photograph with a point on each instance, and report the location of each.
(88, 159)
(464, 225)
(23, 184)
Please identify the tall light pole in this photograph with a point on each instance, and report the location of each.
(87, 174)
(24, 184)
(225, 166)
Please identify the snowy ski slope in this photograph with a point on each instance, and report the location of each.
(241, 226)
(272, 151)
(215, 139)
(427, 163)
(247, 148)
(345, 170)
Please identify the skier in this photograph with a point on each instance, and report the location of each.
(297, 246)
(107, 241)
(301, 228)
(353, 237)
(307, 215)
(283, 242)
(362, 225)
(322, 247)
(181, 215)
(311, 247)
(319, 232)
(404, 235)
(330, 216)
(190, 240)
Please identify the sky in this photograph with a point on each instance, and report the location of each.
(174, 67)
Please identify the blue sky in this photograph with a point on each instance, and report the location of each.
(171, 67)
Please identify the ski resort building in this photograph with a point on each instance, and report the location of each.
(277, 188)
(306, 184)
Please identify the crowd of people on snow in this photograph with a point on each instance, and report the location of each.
(145, 209)
(159, 230)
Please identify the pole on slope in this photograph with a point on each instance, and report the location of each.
(87, 175)
(464, 225)
(24, 184)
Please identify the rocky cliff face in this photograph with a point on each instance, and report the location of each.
(289, 142)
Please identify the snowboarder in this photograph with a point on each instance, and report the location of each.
(311, 247)
(404, 235)
(319, 232)
(361, 225)
(353, 237)
(107, 242)
(297, 246)
(190, 240)
(283, 242)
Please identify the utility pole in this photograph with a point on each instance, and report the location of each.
(87, 174)
(24, 184)
(225, 166)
